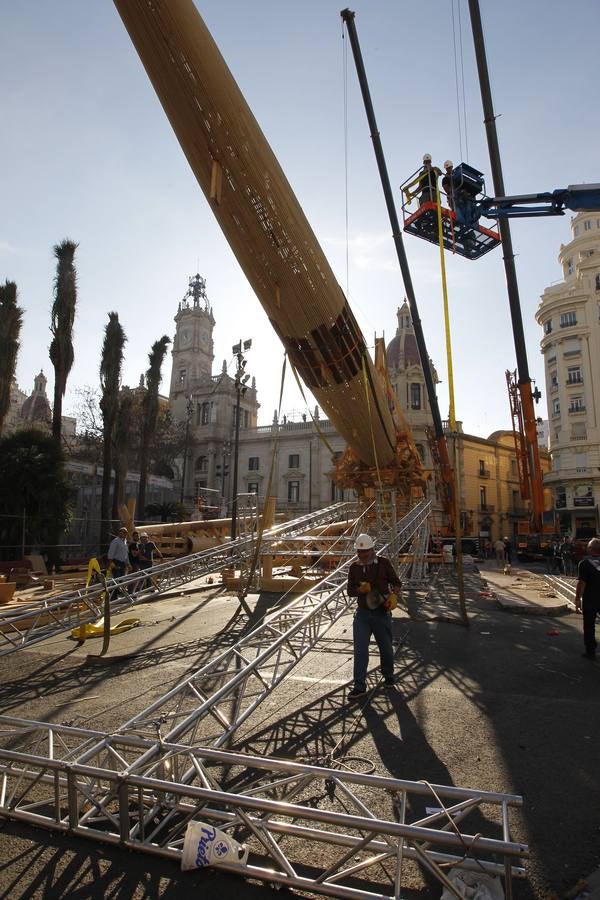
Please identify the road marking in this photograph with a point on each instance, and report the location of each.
(319, 680)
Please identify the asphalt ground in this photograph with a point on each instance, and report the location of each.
(505, 705)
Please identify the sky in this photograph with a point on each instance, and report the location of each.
(87, 153)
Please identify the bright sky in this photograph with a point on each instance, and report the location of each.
(87, 153)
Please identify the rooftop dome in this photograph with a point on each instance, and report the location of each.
(402, 350)
(37, 408)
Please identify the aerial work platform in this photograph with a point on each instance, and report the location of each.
(465, 240)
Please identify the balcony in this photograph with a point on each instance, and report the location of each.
(486, 508)
(484, 473)
(576, 409)
(578, 437)
(575, 379)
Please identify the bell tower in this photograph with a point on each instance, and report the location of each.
(193, 344)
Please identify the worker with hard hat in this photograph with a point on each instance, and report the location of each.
(428, 177)
(374, 583)
(448, 183)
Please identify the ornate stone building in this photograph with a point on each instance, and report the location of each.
(34, 411)
(569, 313)
(302, 463)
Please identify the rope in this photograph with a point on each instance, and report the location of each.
(452, 413)
(314, 420)
(244, 593)
(371, 423)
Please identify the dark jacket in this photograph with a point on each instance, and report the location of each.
(380, 574)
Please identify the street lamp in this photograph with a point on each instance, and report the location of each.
(241, 379)
(188, 418)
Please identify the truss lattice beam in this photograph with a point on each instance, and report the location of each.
(35, 622)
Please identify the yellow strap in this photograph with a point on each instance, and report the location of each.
(93, 566)
(366, 383)
(96, 629)
(452, 413)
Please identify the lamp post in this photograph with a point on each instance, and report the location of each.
(241, 387)
(188, 417)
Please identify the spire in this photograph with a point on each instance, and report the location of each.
(196, 293)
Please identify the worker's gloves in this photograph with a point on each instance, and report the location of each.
(364, 587)
(391, 602)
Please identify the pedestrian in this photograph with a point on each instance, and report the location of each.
(566, 552)
(507, 551)
(118, 554)
(373, 581)
(587, 595)
(134, 551)
(556, 558)
(499, 551)
(427, 178)
(147, 551)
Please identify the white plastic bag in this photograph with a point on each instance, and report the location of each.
(205, 845)
(474, 885)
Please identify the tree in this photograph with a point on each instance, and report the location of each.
(121, 442)
(61, 326)
(110, 383)
(150, 413)
(11, 319)
(34, 490)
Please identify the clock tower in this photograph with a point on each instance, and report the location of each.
(193, 345)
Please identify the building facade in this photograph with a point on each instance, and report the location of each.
(569, 314)
(301, 450)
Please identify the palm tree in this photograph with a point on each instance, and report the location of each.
(61, 326)
(150, 413)
(110, 382)
(11, 319)
(121, 442)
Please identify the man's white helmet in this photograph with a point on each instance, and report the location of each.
(448, 164)
(364, 542)
(427, 157)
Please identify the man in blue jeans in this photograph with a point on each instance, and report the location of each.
(373, 581)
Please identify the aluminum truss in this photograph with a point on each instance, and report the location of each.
(357, 843)
(419, 569)
(564, 587)
(142, 785)
(33, 622)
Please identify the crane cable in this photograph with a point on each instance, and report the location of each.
(460, 81)
(452, 413)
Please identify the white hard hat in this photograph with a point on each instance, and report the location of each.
(427, 157)
(448, 164)
(364, 542)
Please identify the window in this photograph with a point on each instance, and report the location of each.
(553, 379)
(576, 231)
(577, 404)
(569, 267)
(556, 407)
(205, 417)
(202, 464)
(293, 491)
(571, 347)
(482, 469)
(560, 497)
(513, 467)
(483, 498)
(574, 375)
(579, 431)
(568, 319)
(598, 282)
(421, 451)
(253, 487)
(337, 493)
(587, 226)
(246, 419)
(415, 396)
(548, 326)
(182, 376)
(253, 463)
(294, 461)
